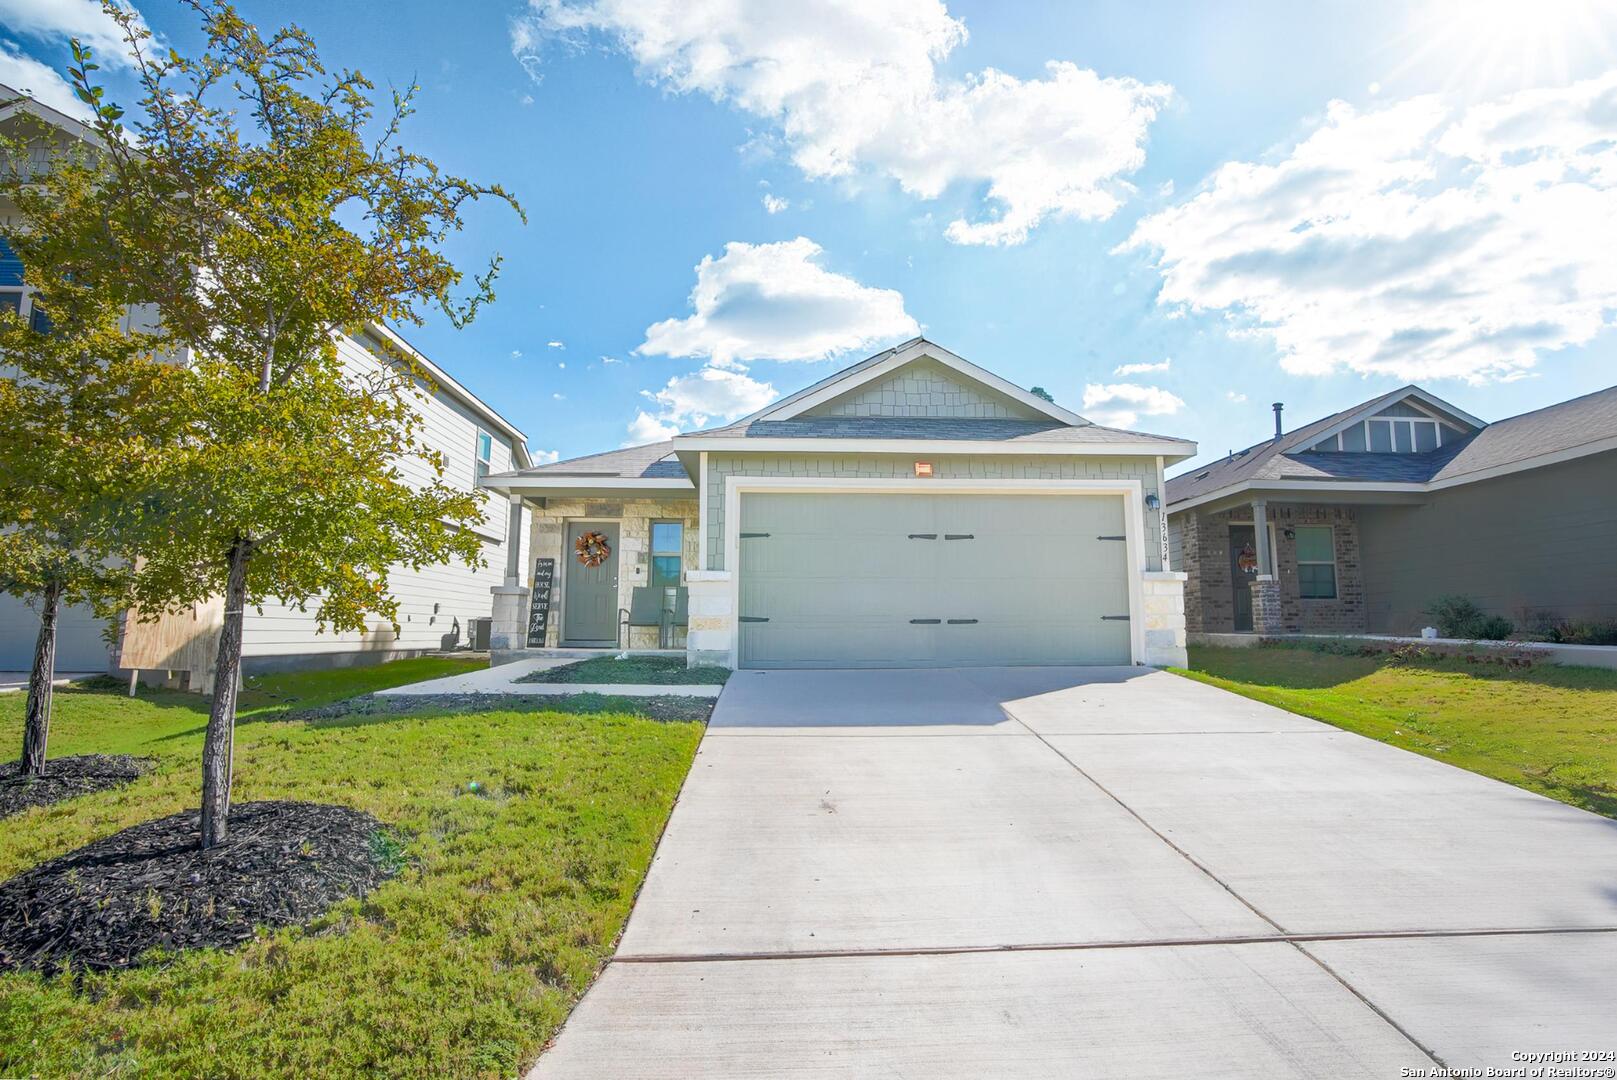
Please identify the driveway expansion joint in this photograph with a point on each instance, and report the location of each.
(1090, 946)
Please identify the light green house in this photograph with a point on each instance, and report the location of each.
(911, 510)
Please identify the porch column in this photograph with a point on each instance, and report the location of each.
(1266, 586)
(509, 631)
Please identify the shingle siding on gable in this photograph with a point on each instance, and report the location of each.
(944, 467)
(924, 389)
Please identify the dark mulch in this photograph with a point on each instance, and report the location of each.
(643, 670)
(151, 886)
(66, 778)
(664, 707)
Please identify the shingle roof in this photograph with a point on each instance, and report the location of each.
(639, 462)
(1558, 427)
(940, 428)
(1570, 424)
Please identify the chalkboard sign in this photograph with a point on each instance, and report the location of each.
(544, 575)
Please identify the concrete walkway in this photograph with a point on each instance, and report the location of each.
(502, 680)
(1091, 872)
(16, 682)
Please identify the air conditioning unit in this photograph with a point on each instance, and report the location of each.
(480, 630)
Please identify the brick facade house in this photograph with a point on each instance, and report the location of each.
(1357, 522)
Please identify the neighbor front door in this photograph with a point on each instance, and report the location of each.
(590, 600)
(1242, 574)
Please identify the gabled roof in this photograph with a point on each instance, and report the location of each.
(1573, 428)
(888, 361)
(650, 469)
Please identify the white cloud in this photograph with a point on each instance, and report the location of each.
(856, 87)
(1421, 240)
(774, 302)
(1142, 369)
(55, 21)
(556, 344)
(610, 360)
(774, 204)
(545, 457)
(561, 364)
(645, 428)
(22, 72)
(516, 354)
(558, 397)
(1233, 396)
(694, 400)
(1121, 404)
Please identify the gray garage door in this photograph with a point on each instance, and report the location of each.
(884, 580)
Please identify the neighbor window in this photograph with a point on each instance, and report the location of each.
(485, 454)
(1316, 562)
(667, 552)
(11, 285)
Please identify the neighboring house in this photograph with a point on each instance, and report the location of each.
(437, 605)
(910, 510)
(1357, 522)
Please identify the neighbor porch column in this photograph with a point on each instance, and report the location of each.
(509, 631)
(1266, 586)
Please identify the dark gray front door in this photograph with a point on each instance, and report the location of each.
(590, 603)
(1242, 541)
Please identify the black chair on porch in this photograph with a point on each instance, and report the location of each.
(662, 606)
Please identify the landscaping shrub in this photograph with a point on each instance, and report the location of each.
(1591, 632)
(1458, 617)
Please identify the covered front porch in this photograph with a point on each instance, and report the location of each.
(1273, 565)
(602, 560)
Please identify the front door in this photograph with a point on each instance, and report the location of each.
(590, 600)
(1243, 571)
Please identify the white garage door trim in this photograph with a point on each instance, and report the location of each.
(1130, 491)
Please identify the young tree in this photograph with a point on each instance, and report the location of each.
(77, 435)
(282, 213)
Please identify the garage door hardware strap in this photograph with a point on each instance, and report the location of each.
(753, 536)
(961, 622)
(958, 536)
(1114, 618)
(925, 622)
(754, 618)
(1111, 538)
(923, 536)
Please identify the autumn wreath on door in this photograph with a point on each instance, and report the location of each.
(592, 549)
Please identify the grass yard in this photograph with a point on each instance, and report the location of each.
(463, 965)
(652, 670)
(1549, 729)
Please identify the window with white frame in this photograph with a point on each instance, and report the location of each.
(1398, 429)
(667, 552)
(1316, 562)
(485, 454)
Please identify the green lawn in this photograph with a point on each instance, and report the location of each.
(653, 670)
(1548, 729)
(464, 965)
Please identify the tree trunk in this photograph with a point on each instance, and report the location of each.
(218, 746)
(37, 727)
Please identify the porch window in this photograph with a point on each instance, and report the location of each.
(1316, 562)
(485, 454)
(667, 552)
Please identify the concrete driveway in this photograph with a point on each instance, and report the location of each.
(1045, 872)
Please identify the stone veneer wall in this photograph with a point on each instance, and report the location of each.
(944, 466)
(1209, 600)
(634, 518)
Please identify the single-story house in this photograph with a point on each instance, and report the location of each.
(1357, 522)
(437, 605)
(913, 509)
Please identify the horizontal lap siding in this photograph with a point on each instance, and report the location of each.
(944, 467)
(1540, 540)
(460, 592)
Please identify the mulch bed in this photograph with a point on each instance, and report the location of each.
(669, 707)
(151, 886)
(66, 778)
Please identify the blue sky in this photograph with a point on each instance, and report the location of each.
(1244, 202)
